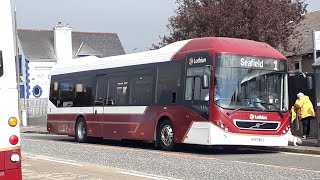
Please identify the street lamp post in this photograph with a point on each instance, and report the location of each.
(316, 67)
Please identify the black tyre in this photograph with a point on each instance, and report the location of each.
(166, 135)
(81, 130)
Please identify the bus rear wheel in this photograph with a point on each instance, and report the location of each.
(81, 130)
(166, 135)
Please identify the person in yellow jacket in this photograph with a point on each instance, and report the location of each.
(305, 112)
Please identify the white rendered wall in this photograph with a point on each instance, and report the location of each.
(39, 74)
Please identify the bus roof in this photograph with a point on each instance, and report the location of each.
(172, 51)
(232, 46)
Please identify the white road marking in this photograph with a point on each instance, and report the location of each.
(279, 166)
(149, 176)
(282, 152)
(301, 154)
(46, 158)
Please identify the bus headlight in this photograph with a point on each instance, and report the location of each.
(13, 121)
(222, 125)
(15, 158)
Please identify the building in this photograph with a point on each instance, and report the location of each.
(300, 47)
(300, 56)
(40, 49)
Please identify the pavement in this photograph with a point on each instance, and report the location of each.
(308, 146)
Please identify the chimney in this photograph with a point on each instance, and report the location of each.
(63, 41)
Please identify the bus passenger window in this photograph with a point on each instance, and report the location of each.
(110, 101)
(141, 90)
(117, 91)
(168, 83)
(67, 92)
(99, 101)
(54, 91)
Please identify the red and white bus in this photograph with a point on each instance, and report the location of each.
(10, 164)
(167, 95)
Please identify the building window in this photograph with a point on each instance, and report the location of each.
(296, 66)
(20, 65)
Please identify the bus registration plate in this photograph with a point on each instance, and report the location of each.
(256, 139)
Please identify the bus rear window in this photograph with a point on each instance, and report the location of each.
(1, 64)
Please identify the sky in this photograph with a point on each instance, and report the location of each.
(138, 23)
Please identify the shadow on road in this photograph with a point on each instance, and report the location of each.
(182, 148)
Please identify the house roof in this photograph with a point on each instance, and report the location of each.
(300, 42)
(38, 45)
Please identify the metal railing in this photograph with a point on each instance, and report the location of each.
(36, 108)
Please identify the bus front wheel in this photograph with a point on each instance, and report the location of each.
(166, 135)
(81, 130)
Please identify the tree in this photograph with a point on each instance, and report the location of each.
(270, 21)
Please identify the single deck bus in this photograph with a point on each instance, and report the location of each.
(10, 164)
(206, 91)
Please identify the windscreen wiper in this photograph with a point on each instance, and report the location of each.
(271, 104)
(241, 108)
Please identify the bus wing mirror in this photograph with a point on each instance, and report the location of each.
(205, 82)
(309, 82)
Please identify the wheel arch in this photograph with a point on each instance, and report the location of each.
(160, 118)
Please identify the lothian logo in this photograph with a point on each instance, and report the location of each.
(258, 117)
(197, 60)
(191, 61)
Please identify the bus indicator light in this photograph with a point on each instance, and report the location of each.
(14, 140)
(13, 121)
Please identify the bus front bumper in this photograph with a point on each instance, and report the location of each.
(206, 133)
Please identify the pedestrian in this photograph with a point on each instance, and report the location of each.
(305, 112)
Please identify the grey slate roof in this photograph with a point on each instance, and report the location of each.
(38, 45)
(302, 44)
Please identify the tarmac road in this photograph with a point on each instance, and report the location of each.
(189, 162)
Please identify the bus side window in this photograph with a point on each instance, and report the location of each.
(54, 89)
(117, 91)
(1, 64)
(67, 93)
(141, 89)
(169, 83)
(99, 94)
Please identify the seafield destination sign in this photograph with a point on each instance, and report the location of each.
(252, 62)
(258, 63)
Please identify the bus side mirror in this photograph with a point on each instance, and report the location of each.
(309, 82)
(205, 82)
